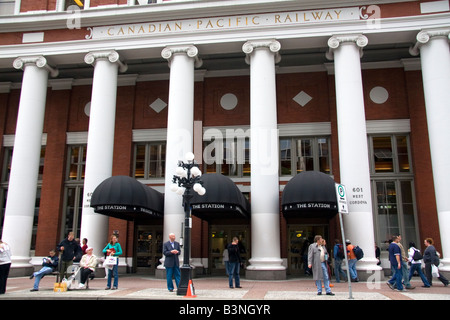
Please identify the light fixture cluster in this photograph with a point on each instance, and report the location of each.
(187, 176)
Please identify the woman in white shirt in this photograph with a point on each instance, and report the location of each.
(5, 265)
(416, 265)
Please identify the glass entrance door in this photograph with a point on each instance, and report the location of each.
(148, 248)
(299, 239)
(220, 237)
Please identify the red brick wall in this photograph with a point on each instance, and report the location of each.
(52, 193)
(315, 85)
(146, 93)
(214, 89)
(420, 151)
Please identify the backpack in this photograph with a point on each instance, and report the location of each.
(358, 252)
(417, 255)
(340, 253)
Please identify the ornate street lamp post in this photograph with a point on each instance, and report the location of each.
(186, 179)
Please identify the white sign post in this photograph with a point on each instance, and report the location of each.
(341, 197)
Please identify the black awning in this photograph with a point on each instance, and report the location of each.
(126, 198)
(222, 199)
(309, 194)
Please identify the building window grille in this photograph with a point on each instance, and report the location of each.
(298, 154)
(149, 160)
(393, 189)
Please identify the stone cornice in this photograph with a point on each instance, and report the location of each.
(122, 14)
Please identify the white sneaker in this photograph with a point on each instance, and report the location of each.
(81, 286)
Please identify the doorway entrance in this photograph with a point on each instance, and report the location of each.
(220, 237)
(148, 248)
(299, 238)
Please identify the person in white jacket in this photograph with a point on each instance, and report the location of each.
(87, 265)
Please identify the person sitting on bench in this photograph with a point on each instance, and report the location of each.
(87, 265)
(49, 264)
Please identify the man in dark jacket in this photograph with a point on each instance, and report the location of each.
(234, 263)
(69, 249)
(171, 251)
(49, 264)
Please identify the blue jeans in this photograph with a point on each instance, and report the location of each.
(326, 280)
(172, 272)
(114, 272)
(418, 267)
(352, 268)
(233, 271)
(338, 270)
(38, 275)
(397, 278)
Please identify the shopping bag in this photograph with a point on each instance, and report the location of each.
(434, 271)
(60, 287)
(110, 262)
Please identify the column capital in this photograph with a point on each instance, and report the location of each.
(110, 55)
(271, 44)
(424, 36)
(335, 41)
(38, 61)
(190, 50)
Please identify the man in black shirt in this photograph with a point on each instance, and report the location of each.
(69, 249)
(234, 263)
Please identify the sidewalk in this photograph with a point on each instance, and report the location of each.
(143, 287)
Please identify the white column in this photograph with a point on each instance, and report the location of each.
(20, 205)
(99, 156)
(435, 60)
(180, 127)
(353, 149)
(266, 261)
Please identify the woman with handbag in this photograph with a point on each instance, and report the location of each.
(113, 249)
(431, 259)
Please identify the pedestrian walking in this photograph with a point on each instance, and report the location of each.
(430, 257)
(416, 264)
(338, 255)
(395, 257)
(352, 260)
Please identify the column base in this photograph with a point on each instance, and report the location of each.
(21, 267)
(368, 270)
(265, 274)
(265, 269)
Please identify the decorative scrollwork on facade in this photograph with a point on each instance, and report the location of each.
(39, 61)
